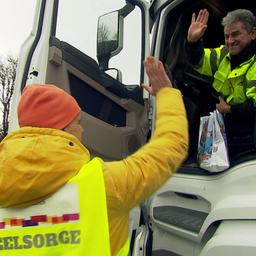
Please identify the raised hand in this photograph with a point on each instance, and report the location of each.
(198, 26)
(157, 75)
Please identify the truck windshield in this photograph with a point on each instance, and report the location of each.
(77, 25)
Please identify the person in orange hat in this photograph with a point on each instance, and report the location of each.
(55, 199)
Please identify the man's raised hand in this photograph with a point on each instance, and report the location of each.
(157, 75)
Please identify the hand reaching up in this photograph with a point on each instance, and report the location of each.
(157, 75)
(198, 26)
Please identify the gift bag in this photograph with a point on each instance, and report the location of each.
(212, 144)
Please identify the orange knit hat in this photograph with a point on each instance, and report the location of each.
(46, 106)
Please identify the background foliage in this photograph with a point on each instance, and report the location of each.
(8, 69)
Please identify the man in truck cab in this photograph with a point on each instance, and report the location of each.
(55, 200)
(232, 68)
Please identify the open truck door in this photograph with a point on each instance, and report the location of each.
(197, 212)
(79, 48)
(93, 50)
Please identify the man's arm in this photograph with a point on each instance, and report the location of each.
(245, 108)
(130, 181)
(194, 52)
(193, 44)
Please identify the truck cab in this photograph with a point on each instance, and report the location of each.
(95, 51)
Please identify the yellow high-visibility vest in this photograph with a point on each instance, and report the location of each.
(125, 249)
(236, 85)
(72, 222)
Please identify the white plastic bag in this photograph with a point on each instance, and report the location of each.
(212, 144)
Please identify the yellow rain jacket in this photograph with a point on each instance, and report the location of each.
(35, 162)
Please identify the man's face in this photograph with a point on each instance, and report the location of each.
(75, 128)
(237, 38)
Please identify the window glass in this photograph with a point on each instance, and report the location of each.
(77, 25)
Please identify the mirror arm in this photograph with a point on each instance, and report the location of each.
(103, 61)
(128, 8)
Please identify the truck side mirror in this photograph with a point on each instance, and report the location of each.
(109, 37)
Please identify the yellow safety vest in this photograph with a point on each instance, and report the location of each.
(125, 249)
(235, 86)
(72, 222)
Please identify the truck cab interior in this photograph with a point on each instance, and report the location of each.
(199, 96)
(187, 214)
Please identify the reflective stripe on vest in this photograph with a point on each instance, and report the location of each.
(72, 222)
(211, 58)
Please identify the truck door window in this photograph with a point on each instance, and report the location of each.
(77, 25)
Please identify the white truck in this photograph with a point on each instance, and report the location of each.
(98, 58)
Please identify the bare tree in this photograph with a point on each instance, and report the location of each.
(7, 78)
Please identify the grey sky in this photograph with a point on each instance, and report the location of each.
(17, 17)
(15, 24)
